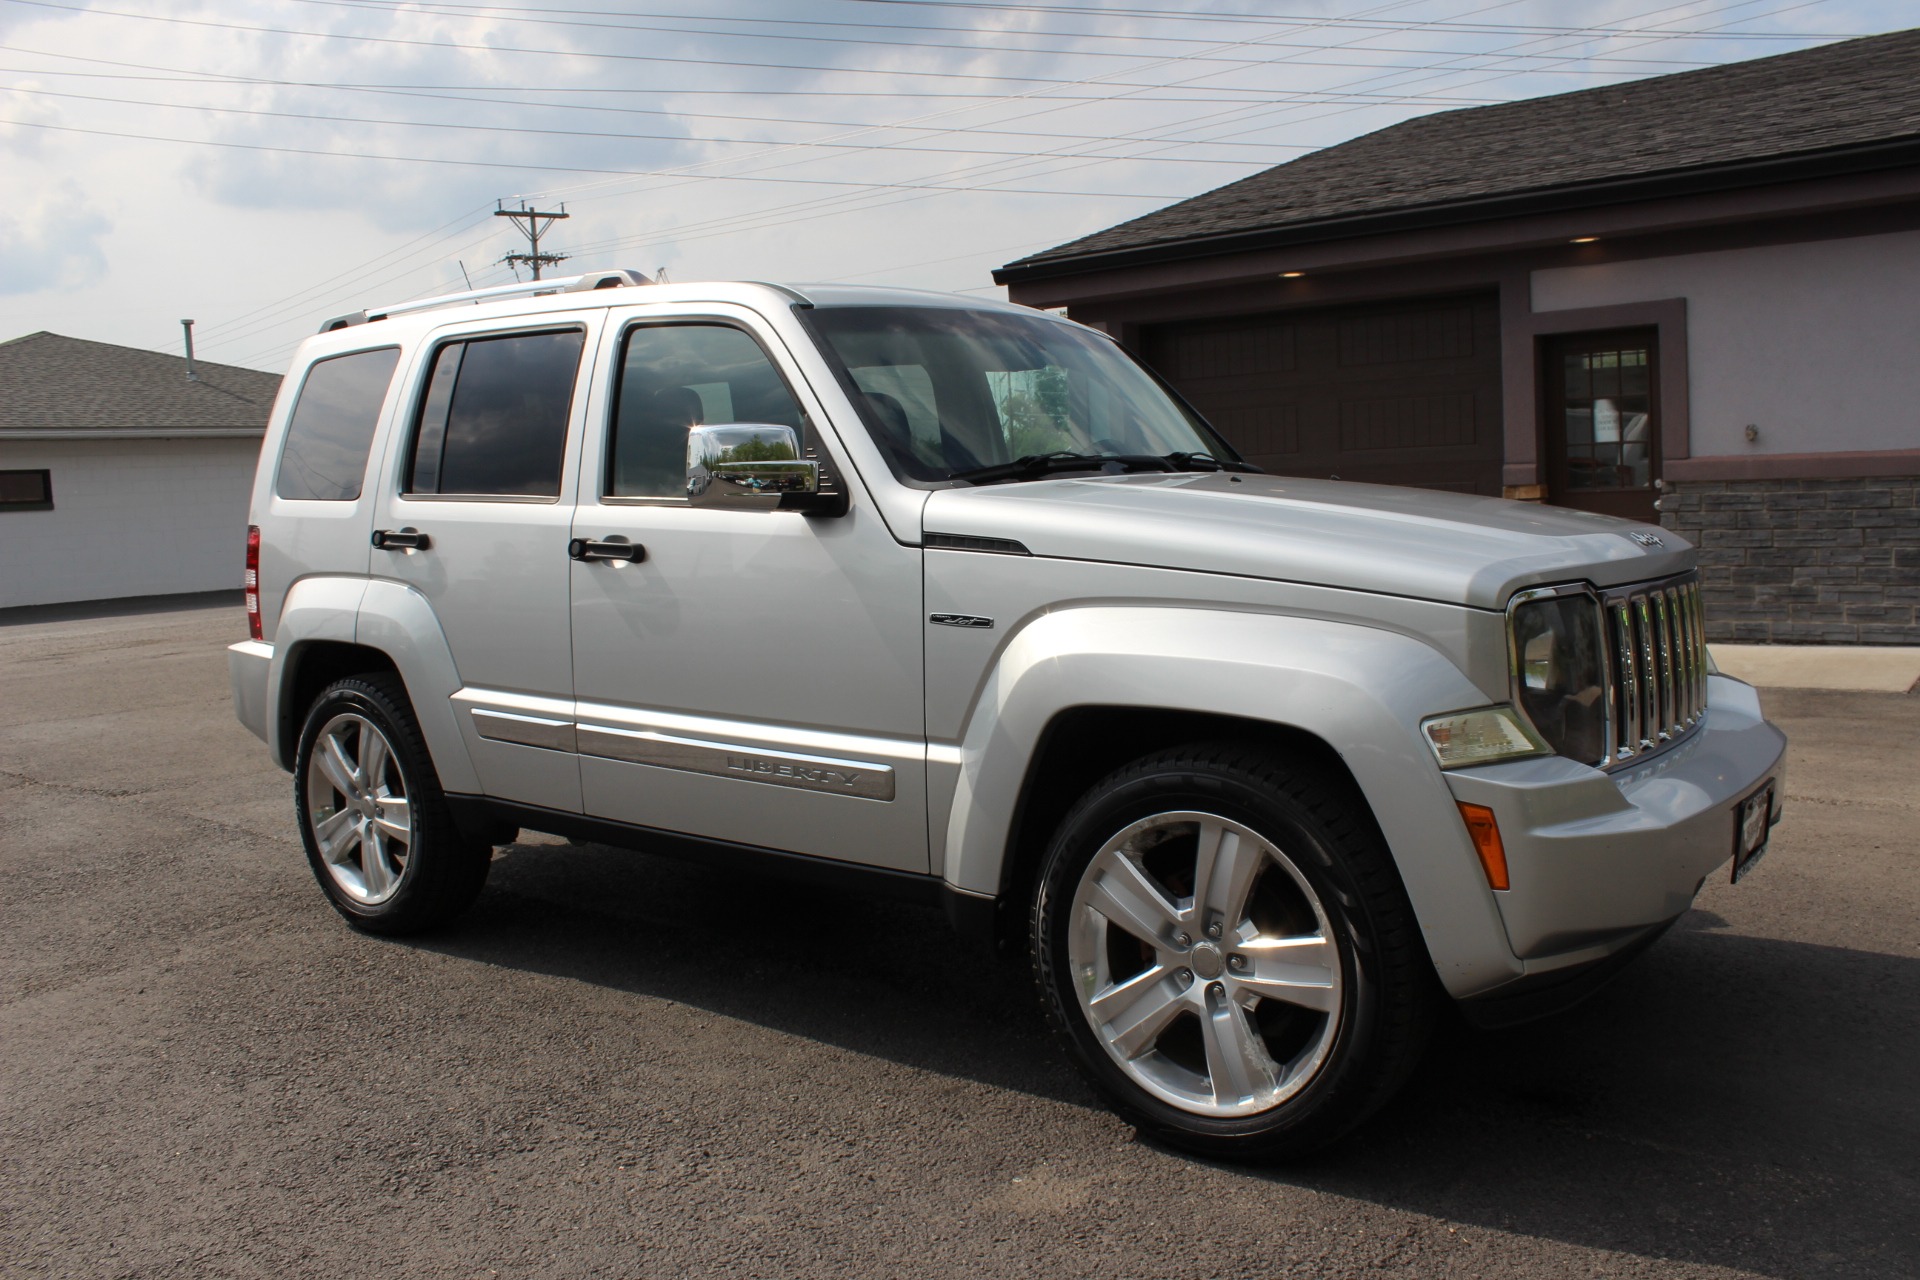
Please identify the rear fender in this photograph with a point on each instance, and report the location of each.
(314, 609)
(1361, 690)
(399, 621)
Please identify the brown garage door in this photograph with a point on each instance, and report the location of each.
(1397, 393)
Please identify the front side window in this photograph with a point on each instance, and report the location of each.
(676, 376)
(947, 391)
(493, 421)
(325, 456)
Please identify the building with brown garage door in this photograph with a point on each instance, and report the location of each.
(1693, 299)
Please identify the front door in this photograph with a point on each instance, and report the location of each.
(1603, 423)
(752, 675)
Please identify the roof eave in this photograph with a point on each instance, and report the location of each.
(132, 433)
(1774, 170)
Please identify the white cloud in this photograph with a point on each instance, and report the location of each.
(50, 237)
(259, 244)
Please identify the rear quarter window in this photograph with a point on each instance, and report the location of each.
(325, 455)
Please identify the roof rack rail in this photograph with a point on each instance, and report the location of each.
(609, 278)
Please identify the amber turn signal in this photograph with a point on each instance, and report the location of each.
(1485, 833)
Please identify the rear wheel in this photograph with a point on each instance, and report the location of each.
(1228, 950)
(375, 824)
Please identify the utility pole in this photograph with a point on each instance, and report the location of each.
(192, 374)
(532, 223)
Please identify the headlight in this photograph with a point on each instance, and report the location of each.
(1560, 673)
(1483, 736)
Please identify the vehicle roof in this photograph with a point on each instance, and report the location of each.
(380, 329)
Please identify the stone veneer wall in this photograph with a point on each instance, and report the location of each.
(1804, 561)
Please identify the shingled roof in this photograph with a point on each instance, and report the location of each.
(51, 383)
(1836, 108)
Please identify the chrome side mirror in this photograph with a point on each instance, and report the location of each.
(747, 465)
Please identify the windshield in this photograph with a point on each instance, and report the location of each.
(947, 391)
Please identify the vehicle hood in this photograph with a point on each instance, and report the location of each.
(1366, 537)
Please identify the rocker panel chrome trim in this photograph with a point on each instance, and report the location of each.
(526, 731)
(862, 778)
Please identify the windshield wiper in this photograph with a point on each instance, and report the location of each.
(1032, 466)
(1205, 462)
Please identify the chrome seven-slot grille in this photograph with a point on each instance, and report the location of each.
(1657, 649)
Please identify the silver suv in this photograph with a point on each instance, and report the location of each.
(954, 601)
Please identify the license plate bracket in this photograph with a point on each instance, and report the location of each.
(1752, 829)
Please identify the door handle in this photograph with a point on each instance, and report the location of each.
(614, 548)
(408, 539)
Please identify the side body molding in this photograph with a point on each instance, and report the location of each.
(398, 621)
(316, 608)
(1360, 689)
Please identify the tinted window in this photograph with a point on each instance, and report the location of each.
(494, 420)
(677, 376)
(325, 456)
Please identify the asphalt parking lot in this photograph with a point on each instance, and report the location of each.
(625, 1066)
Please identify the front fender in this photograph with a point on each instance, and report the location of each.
(1361, 690)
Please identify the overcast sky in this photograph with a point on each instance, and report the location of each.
(259, 165)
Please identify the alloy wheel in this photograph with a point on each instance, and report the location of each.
(1205, 963)
(357, 802)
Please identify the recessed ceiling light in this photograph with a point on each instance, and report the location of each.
(1291, 275)
(1583, 240)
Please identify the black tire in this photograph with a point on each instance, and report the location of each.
(441, 871)
(1379, 1012)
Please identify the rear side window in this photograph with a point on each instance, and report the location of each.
(494, 419)
(325, 456)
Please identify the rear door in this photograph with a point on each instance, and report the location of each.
(751, 675)
(476, 519)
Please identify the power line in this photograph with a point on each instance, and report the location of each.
(679, 92)
(409, 42)
(462, 223)
(492, 12)
(849, 202)
(890, 193)
(786, 214)
(593, 133)
(553, 168)
(1179, 15)
(215, 80)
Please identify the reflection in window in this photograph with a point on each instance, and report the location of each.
(1605, 414)
(673, 377)
(902, 397)
(946, 390)
(494, 420)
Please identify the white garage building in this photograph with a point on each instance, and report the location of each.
(119, 474)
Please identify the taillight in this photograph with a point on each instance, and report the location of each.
(253, 581)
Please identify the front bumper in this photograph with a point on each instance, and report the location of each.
(249, 664)
(1600, 862)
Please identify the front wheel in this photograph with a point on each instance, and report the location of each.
(375, 824)
(1229, 952)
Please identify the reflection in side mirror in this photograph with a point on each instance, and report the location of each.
(747, 464)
